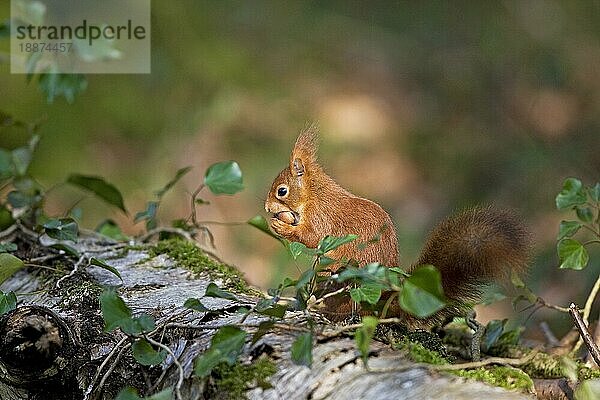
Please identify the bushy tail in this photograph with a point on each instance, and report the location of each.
(475, 247)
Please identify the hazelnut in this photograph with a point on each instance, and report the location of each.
(289, 217)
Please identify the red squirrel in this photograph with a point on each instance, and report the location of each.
(470, 249)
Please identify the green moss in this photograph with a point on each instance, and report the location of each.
(505, 377)
(189, 256)
(419, 353)
(235, 380)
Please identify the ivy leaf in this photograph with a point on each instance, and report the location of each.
(329, 243)
(370, 293)
(100, 188)
(21, 158)
(364, 335)
(224, 178)
(144, 353)
(585, 214)
(296, 249)
(178, 175)
(195, 304)
(114, 311)
(302, 349)
(572, 194)
(102, 264)
(66, 85)
(305, 278)
(270, 308)
(213, 290)
(261, 224)
(66, 249)
(6, 166)
(109, 228)
(6, 218)
(8, 302)
(149, 214)
(61, 229)
(595, 192)
(9, 265)
(568, 229)
(422, 293)
(493, 331)
(7, 247)
(263, 329)
(572, 255)
(226, 346)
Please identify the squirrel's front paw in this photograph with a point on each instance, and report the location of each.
(281, 228)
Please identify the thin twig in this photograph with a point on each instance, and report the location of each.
(8, 231)
(73, 271)
(584, 333)
(328, 295)
(548, 334)
(586, 311)
(113, 365)
(467, 365)
(101, 367)
(175, 361)
(543, 303)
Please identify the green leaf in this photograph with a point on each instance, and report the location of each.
(369, 292)
(588, 390)
(130, 393)
(568, 229)
(178, 175)
(100, 188)
(325, 261)
(585, 214)
(66, 248)
(572, 194)
(62, 229)
(6, 165)
(226, 346)
(572, 254)
(145, 322)
(9, 265)
(66, 85)
(422, 293)
(7, 247)
(195, 304)
(364, 335)
(8, 302)
(493, 331)
(492, 294)
(144, 353)
(109, 228)
(260, 223)
(296, 249)
(263, 328)
(6, 218)
(21, 158)
(305, 278)
(370, 273)
(102, 264)
(269, 308)
(224, 178)
(302, 349)
(213, 290)
(149, 214)
(595, 192)
(114, 311)
(329, 243)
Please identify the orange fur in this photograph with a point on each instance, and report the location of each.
(470, 249)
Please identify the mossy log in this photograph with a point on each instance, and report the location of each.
(54, 346)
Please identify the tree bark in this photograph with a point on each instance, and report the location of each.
(53, 346)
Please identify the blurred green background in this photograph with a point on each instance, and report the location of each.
(424, 107)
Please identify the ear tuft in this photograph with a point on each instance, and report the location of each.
(305, 149)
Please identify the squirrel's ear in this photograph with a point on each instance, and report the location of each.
(304, 153)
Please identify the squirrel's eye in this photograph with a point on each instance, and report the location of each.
(282, 191)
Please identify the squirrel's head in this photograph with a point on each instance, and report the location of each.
(290, 190)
